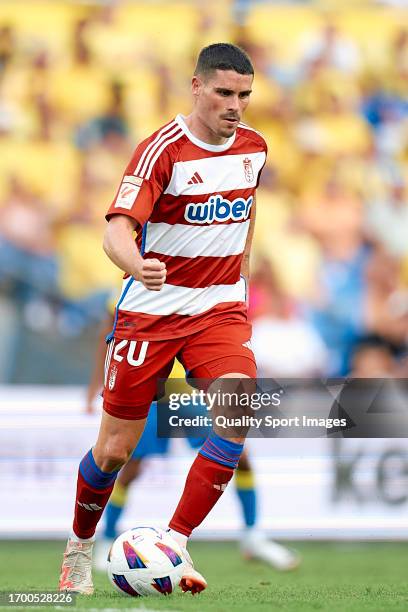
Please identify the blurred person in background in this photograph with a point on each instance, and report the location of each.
(7, 46)
(329, 123)
(335, 220)
(80, 85)
(396, 77)
(112, 121)
(373, 388)
(386, 298)
(386, 220)
(278, 237)
(38, 97)
(85, 280)
(373, 357)
(28, 260)
(284, 342)
(333, 48)
(391, 133)
(334, 217)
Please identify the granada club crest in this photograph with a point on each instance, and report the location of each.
(112, 376)
(249, 171)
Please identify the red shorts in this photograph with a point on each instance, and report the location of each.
(133, 367)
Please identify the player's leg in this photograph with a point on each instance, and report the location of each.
(117, 501)
(213, 467)
(149, 444)
(244, 482)
(114, 510)
(130, 387)
(96, 477)
(220, 351)
(254, 544)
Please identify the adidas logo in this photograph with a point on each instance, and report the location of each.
(220, 487)
(195, 179)
(91, 507)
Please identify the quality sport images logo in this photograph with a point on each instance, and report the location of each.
(218, 208)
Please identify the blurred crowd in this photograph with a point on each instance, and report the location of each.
(81, 84)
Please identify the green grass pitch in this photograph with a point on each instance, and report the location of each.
(339, 577)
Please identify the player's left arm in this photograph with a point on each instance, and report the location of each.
(248, 243)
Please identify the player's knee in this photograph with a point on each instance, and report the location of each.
(115, 455)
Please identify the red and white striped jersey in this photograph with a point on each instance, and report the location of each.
(193, 201)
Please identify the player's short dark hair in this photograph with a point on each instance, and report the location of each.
(223, 56)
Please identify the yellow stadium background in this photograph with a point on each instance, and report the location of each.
(82, 82)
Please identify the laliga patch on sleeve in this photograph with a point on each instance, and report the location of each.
(130, 178)
(128, 192)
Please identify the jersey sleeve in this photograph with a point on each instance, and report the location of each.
(265, 149)
(144, 180)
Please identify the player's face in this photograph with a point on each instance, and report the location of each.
(220, 100)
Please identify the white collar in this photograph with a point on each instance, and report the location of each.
(200, 143)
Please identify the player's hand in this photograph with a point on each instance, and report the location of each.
(89, 408)
(152, 273)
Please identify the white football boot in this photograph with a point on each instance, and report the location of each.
(76, 569)
(192, 580)
(254, 545)
(100, 557)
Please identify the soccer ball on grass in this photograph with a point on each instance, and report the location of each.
(145, 561)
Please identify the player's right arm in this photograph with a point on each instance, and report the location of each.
(143, 182)
(120, 246)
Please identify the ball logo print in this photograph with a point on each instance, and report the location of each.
(134, 558)
(219, 209)
(123, 585)
(249, 171)
(145, 561)
(171, 553)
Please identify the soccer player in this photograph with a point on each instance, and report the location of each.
(189, 193)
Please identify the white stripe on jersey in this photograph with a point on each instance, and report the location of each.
(192, 241)
(157, 146)
(108, 357)
(160, 151)
(214, 176)
(151, 144)
(172, 299)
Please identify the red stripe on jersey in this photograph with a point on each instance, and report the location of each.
(172, 207)
(141, 326)
(200, 271)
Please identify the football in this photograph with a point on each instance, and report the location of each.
(145, 561)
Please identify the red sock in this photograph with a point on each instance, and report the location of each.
(89, 505)
(93, 491)
(206, 482)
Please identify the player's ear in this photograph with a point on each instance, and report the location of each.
(196, 85)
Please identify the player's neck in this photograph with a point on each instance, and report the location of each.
(202, 131)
